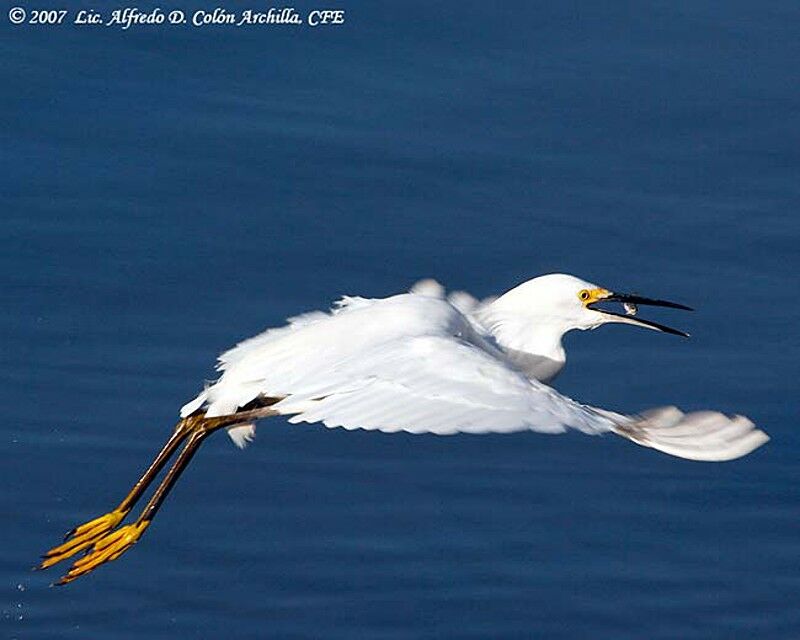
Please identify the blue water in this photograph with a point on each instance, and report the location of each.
(167, 192)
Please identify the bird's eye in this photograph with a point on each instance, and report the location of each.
(584, 294)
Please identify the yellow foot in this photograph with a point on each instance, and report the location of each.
(82, 537)
(108, 548)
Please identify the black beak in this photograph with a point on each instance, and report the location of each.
(629, 318)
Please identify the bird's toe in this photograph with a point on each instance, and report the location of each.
(107, 548)
(81, 538)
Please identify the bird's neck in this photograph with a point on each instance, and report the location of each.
(533, 344)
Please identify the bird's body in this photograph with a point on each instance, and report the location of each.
(420, 362)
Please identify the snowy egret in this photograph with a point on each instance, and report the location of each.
(420, 362)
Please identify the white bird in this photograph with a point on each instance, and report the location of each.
(419, 362)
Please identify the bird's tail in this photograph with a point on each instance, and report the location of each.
(708, 436)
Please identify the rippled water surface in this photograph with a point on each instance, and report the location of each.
(168, 192)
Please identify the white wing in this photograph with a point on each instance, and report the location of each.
(414, 363)
(707, 436)
(465, 302)
(434, 384)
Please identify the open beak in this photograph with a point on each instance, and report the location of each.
(631, 302)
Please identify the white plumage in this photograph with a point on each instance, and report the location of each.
(422, 363)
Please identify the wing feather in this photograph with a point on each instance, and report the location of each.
(437, 384)
(702, 435)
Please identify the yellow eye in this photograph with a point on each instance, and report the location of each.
(584, 294)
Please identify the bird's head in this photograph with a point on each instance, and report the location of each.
(567, 303)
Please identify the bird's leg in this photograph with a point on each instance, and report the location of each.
(112, 545)
(84, 535)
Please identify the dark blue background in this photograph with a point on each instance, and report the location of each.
(169, 191)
